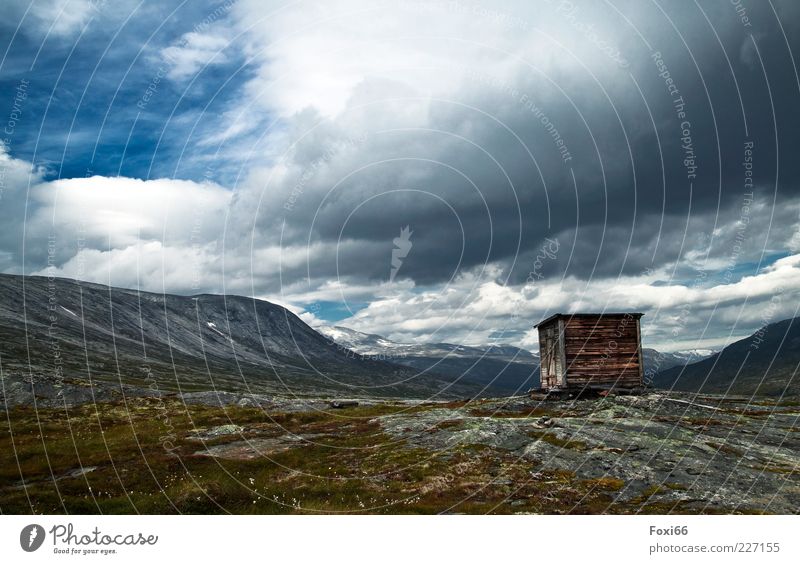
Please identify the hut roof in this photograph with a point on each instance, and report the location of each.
(602, 314)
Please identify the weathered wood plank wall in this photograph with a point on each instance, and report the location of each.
(597, 350)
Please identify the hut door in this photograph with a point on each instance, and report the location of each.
(552, 369)
(562, 355)
(552, 357)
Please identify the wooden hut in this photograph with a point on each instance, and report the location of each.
(590, 351)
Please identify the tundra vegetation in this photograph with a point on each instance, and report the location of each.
(203, 453)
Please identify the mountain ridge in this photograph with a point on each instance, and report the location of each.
(57, 327)
(497, 369)
(518, 368)
(765, 362)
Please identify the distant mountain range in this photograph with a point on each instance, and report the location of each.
(656, 361)
(765, 363)
(499, 369)
(502, 369)
(60, 329)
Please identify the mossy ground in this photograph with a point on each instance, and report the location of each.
(140, 458)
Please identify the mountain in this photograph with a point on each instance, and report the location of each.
(500, 369)
(765, 363)
(63, 330)
(657, 361)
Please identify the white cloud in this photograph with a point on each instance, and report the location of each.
(193, 51)
(124, 211)
(316, 55)
(147, 265)
(474, 310)
(62, 17)
(157, 234)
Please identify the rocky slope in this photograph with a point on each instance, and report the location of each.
(61, 335)
(766, 362)
(667, 450)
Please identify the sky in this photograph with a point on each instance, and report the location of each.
(425, 170)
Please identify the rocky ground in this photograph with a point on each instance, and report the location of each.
(202, 452)
(703, 453)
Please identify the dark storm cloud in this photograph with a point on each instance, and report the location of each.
(656, 150)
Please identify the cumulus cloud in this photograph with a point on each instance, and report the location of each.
(478, 309)
(193, 51)
(123, 211)
(159, 234)
(62, 17)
